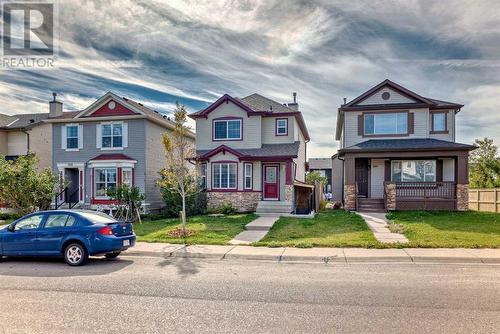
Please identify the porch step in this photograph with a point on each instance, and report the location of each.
(274, 207)
(370, 205)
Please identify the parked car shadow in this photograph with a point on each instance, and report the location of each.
(56, 267)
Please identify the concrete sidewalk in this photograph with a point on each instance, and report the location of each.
(318, 255)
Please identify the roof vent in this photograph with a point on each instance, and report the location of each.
(270, 107)
(294, 97)
(32, 121)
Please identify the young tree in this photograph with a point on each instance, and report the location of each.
(179, 175)
(316, 176)
(484, 166)
(23, 188)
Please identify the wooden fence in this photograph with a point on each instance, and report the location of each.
(484, 200)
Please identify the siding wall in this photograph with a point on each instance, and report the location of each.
(41, 144)
(135, 150)
(269, 131)
(3, 143)
(301, 159)
(17, 143)
(252, 128)
(395, 97)
(377, 178)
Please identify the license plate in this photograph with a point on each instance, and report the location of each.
(126, 243)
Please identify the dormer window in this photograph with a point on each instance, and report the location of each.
(227, 129)
(282, 127)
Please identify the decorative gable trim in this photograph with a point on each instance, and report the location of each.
(226, 98)
(103, 100)
(223, 149)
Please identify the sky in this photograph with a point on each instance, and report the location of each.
(161, 52)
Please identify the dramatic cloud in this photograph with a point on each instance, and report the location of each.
(161, 52)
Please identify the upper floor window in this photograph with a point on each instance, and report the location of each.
(395, 123)
(228, 129)
(112, 135)
(224, 175)
(281, 127)
(72, 136)
(439, 123)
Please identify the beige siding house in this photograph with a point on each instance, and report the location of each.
(398, 151)
(252, 152)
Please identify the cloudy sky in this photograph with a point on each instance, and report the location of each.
(160, 52)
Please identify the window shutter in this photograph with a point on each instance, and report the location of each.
(125, 134)
(80, 136)
(439, 171)
(63, 137)
(411, 123)
(361, 125)
(98, 136)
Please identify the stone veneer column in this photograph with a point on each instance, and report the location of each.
(462, 197)
(288, 196)
(350, 197)
(390, 196)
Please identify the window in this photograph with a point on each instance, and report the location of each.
(29, 223)
(72, 136)
(112, 135)
(248, 175)
(97, 217)
(224, 175)
(227, 129)
(386, 124)
(204, 176)
(281, 127)
(60, 220)
(127, 177)
(439, 122)
(105, 178)
(414, 171)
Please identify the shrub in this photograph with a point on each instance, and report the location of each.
(322, 205)
(226, 208)
(196, 204)
(8, 216)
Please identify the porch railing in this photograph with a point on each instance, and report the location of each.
(442, 190)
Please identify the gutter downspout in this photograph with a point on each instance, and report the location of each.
(343, 167)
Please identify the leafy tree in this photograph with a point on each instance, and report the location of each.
(484, 165)
(23, 188)
(179, 175)
(129, 202)
(316, 176)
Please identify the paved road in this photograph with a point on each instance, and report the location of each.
(134, 295)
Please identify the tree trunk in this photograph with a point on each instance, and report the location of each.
(183, 215)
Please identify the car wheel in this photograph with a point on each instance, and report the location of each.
(75, 254)
(113, 255)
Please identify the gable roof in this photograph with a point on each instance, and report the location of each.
(414, 144)
(289, 150)
(21, 121)
(256, 105)
(140, 110)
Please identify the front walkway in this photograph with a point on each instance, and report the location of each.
(255, 230)
(377, 222)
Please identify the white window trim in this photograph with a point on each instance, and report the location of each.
(64, 137)
(124, 136)
(128, 169)
(278, 127)
(245, 175)
(227, 129)
(203, 173)
(228, 174)
(106, 182)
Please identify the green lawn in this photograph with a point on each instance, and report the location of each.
(470, 229)
(332, 228)
(209, 230)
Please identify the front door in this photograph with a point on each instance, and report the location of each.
(73, 184)
(362, 177)
(271, 182)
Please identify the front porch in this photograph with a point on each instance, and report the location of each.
(386, 181)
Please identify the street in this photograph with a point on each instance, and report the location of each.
(142, 294)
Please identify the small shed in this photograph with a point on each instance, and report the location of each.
(304, 198)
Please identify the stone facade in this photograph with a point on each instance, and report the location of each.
(462, 197)
(350, 197)
(288, 193)
(242, 201)
(390, 196)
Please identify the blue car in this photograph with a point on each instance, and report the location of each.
(74, 234)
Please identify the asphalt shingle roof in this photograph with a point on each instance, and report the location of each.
(21, 121)
(406, 145)
(267, 150)
(257, 102)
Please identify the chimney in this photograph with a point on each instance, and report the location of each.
(294, 105)
(345, 100)
(55, 107)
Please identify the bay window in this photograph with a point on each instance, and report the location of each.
(224, 175)
(394, 123)
(413, 171)
(105, 178)
(227, 129)
(127, 177)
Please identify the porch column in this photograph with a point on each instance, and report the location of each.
(349, 183)
(288, 181)
(462, 180)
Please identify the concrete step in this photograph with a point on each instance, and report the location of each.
(264, 207)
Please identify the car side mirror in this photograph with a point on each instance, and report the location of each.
(10, 228)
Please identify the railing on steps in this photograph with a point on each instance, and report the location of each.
(62, 197)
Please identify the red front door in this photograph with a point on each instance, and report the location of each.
(271, 182)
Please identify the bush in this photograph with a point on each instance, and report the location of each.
(226, 209)
(196, 204)
(152, 217)
(322, 205)
(8, 216)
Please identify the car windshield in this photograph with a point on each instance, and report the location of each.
(98, 217)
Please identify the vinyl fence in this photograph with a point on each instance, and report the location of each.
(484, 200)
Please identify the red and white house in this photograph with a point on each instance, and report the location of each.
(114, 141)
(252, 152)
